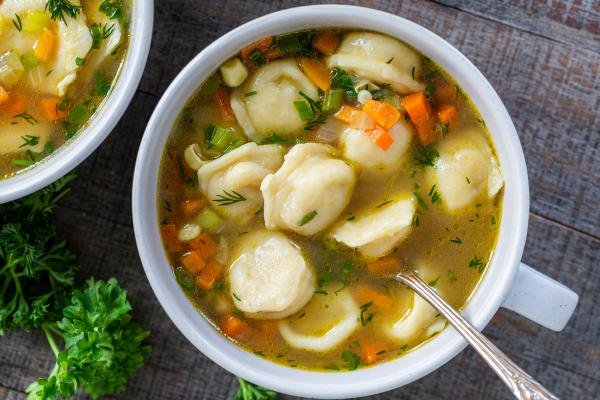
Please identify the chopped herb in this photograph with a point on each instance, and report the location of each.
(30, 119)
(182, 172)
(390, 60)
(243, 233)
(320, 292)
(296, 43)
(433, 282)
(257, 57)
(351, 359)
(404, 347)
(304, 110)
(79, 61)
(425, 156)
(364, 320)
(301, 315)
(468, 180)
(17, 22)
(480, 121)
(419, 198)
(29, 140)
(451, 276)
(258, 353)
(219, 286)
(341, 80)
(307, 218)
(441, 129)
(352, 218)
(332, 367)
(236, 296)
(102, 85)
(248, 94)
(493, 220)
(412, 72)
(384, 203)
(248, 391)
(209, 133)
(22, 163)
(456, 240)
(434, 195)
(429, 91)
(228, 198)
(380, 352)
(415, 221)
(278, 139)
(58, 9)
(99, 33)
(477, 263)
(113, 9)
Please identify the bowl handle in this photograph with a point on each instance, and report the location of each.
(541, 299)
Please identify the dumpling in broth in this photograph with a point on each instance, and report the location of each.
(380, 59)
(309, 191)
(329, 319)
(378, 231)
(370, 158)
(465, 169)
(239, 174)
(414, 322)
(14, 135)
(270, 109)
(269, 278)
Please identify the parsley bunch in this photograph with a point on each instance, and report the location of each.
(248, 391)
(102, 346)
(36, 267)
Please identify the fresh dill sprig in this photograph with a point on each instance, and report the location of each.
(59, 8)
(229, 198)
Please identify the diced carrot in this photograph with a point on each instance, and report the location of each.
(384, 114)
(380, 137)
(15, 104)
(44, 47)
(50, 108)
(345, 113)
(317, 72)
(269, 327)
(365, 293)
(327, 43)
(221, 97)
(169, 235)
(426, 132)
(4, 95)
(192, 206)
(356, 118)
(263, 45)
(446, 113)
(204, 244)
(417, 107)
(384, 265)
(209, 275)
(193, 262)
(371, 351)
(445, 93)
(232, 325)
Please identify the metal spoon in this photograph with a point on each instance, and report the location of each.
(518, 381)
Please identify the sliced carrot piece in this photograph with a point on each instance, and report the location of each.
(15, 104)
(446, 113)
(169, 235)
(317, 72)
(417, 107)
(207, 278)
(232, 325)
(327, 43)
(191, 206)
(345, 113)
(204, 244)
(4, 95)
(263, 45)
(380, 137)
(384, 265)
(426, 132)
(371, 351)
(365, 293)
(384, 114)
(44, 47)
(193, 262)
(51, 110)
(221, 98)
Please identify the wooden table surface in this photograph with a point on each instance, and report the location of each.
(543, 58)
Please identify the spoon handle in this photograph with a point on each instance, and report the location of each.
(518, 381)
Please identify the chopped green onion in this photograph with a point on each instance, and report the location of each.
(333, 100)
(29, 61)
(257, 57)
(252, 93)
(304, 110)
(79, 61)
(208, 220)
(77, 115)
(307, 218)
(222, 138)
(294, 43)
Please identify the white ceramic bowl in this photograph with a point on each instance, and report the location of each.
(532, 294)
(87, 140)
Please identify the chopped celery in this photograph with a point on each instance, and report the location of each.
(35, 21)
(208, 220)
(333, 100)
(304, 110)
(222, 138)
(29, 61)
(11, 69)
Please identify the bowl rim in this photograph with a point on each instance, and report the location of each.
(72, 153)
(483, 304)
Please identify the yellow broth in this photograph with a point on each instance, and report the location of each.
(40, 133)
(449, 250)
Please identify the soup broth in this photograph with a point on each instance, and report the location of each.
(284, 246)
(56, 67)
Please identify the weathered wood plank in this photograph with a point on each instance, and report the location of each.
(8, 394)
(574, 22)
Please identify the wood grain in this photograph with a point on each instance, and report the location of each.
(552, 90)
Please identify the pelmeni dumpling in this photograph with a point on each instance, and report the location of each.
(379, 58)
(465, 169)
(269, 277)
(370, 158)
(270, 109)
(309, 191)
(73, 41)
(107, 46)
(379, 230)
(414, 322)
(18, 136)
(328, 320)
(238, 174)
